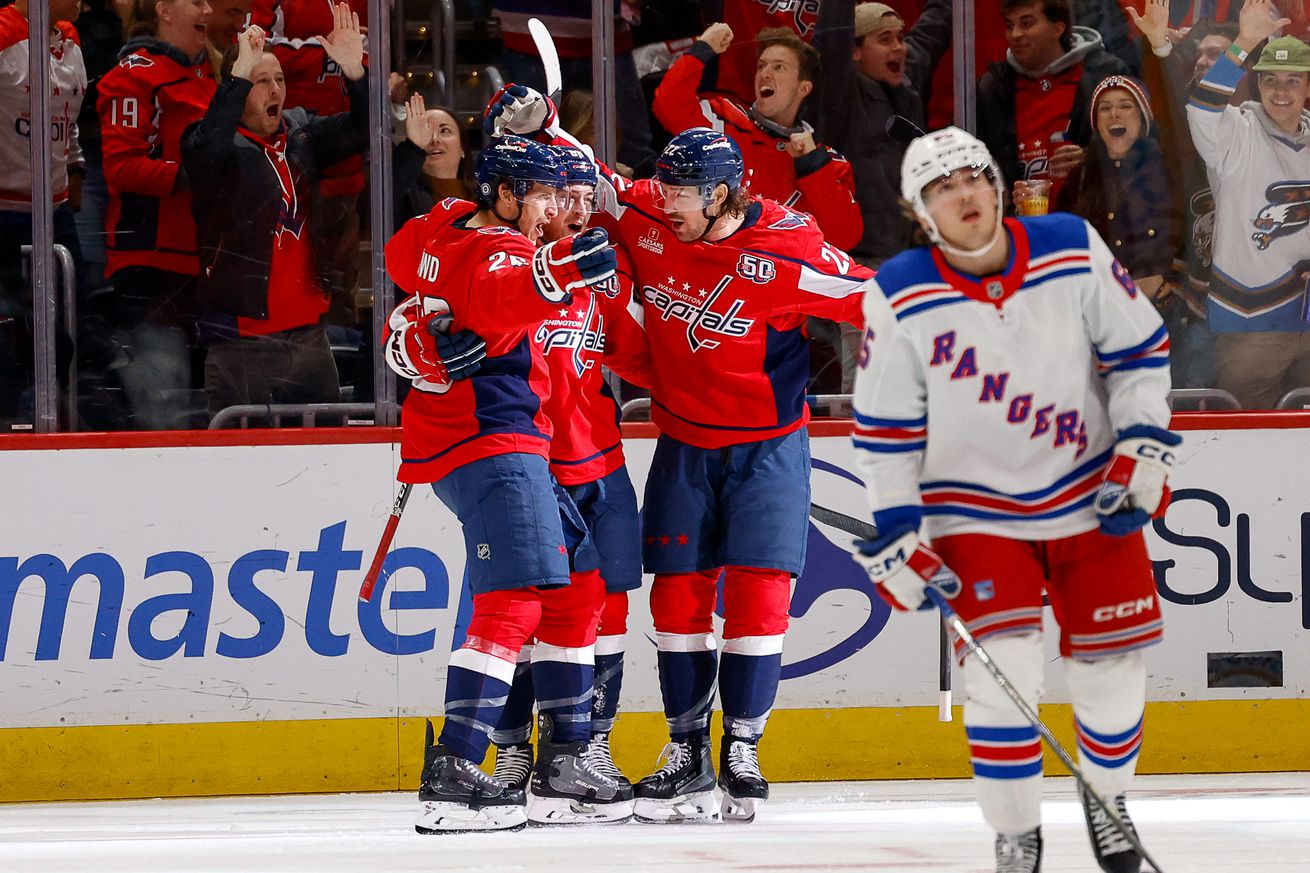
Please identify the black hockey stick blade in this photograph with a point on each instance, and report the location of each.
(903, 130)
(842, 522)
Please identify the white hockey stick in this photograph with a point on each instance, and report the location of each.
(867, 531)
(545, 44)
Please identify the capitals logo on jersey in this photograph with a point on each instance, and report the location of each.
(573, 331)
(1288, 212)
(805, 13)
(136, 61)
(696, 308)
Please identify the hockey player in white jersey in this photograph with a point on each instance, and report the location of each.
(1011, 411)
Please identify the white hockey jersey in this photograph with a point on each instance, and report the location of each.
(992, 405)
(1260, 177)
(67, 88)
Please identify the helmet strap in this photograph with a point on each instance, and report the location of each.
(935, 235)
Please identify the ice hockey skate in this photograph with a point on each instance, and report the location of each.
(744, 787)
(682, 790)
(600, 756)
(1113, 851)
(457, 797)
(1019, 853)
(568, 789)
(514, 766)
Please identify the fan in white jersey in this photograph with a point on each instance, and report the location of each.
(1011, 410)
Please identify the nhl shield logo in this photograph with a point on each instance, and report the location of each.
(995, 291)
(484, 551)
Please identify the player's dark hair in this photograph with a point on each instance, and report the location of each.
(1059, 11)
(806, 53)
(739, 200)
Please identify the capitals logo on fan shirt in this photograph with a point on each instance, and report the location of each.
(136, 61)
(805, 13)
(1288, 212)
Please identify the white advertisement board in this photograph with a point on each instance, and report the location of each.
(218, 584)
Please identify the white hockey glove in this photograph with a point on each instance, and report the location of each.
(571, 263)
(421, 347)
(901, 567)
(1136, 487)
(518, 109)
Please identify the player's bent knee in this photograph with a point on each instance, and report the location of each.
(683, 603)
(503, 621)
(569, 615)
(755, 604)
(1020, 657)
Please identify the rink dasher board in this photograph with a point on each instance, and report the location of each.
(225, 612)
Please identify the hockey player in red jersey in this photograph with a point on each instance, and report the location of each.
(586, 459)
(482, 442)
(726, 281)
(1011, 406)
(783, 162)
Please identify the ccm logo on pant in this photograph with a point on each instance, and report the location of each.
(1126, 609)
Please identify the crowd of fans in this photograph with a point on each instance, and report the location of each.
(208, 168)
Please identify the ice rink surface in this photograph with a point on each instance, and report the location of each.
(1190, 823)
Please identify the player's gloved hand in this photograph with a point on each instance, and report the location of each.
(518, 109)
(1136, 487)
(421, 347)
(568, 264)
(901, 567)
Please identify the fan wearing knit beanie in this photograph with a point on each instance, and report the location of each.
(1122, 187)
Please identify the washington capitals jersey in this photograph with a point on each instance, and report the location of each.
(726, 319)
(67, 87)
(483, 276)
(992, 405)
(603, 327)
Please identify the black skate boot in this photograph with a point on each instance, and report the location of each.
(568, 789)
(514, 766)
(598, 753)
(744, 787)
(682, 790)
(457, 797)
(1019, 853)
(1113, 851)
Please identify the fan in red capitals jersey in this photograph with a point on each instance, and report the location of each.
(482, 441)
(783, 162)
(586, 458)
(1012, 403)
(163, 84)
(726, 281)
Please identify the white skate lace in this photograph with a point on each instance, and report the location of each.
(600, 757)
(513, 764)
(743, 760)
(1109, 839)
(675, 756)
(1016, 853)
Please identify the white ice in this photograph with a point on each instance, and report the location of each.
(1189, 823)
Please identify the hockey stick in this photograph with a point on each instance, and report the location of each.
(545, 44)
(858, 528)
(952, 618)
(388, 534)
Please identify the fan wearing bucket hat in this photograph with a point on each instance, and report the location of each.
(1122, 188)
(1258, 157)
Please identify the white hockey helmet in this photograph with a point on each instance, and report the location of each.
(936, 156)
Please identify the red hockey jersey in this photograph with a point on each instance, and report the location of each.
(145, 104)
(484, 276)
(726, 319)
(604, 329)
(820, 183)
(747, 18)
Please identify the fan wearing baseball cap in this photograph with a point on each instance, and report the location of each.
(1258, 161)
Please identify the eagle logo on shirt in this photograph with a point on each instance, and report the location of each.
(1287, 212)
(136, 61)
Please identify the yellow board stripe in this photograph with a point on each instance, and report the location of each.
(384, 754)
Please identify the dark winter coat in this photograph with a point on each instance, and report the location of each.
(236, 197)
(996, 90)
(854, 110)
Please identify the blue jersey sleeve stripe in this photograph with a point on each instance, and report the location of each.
(889, 448)
(1154, 339)
(876, 421)
(1139, 364)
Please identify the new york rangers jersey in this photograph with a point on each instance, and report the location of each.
(726, 319)
(992, 405)
(483, 276)
(603, 327)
